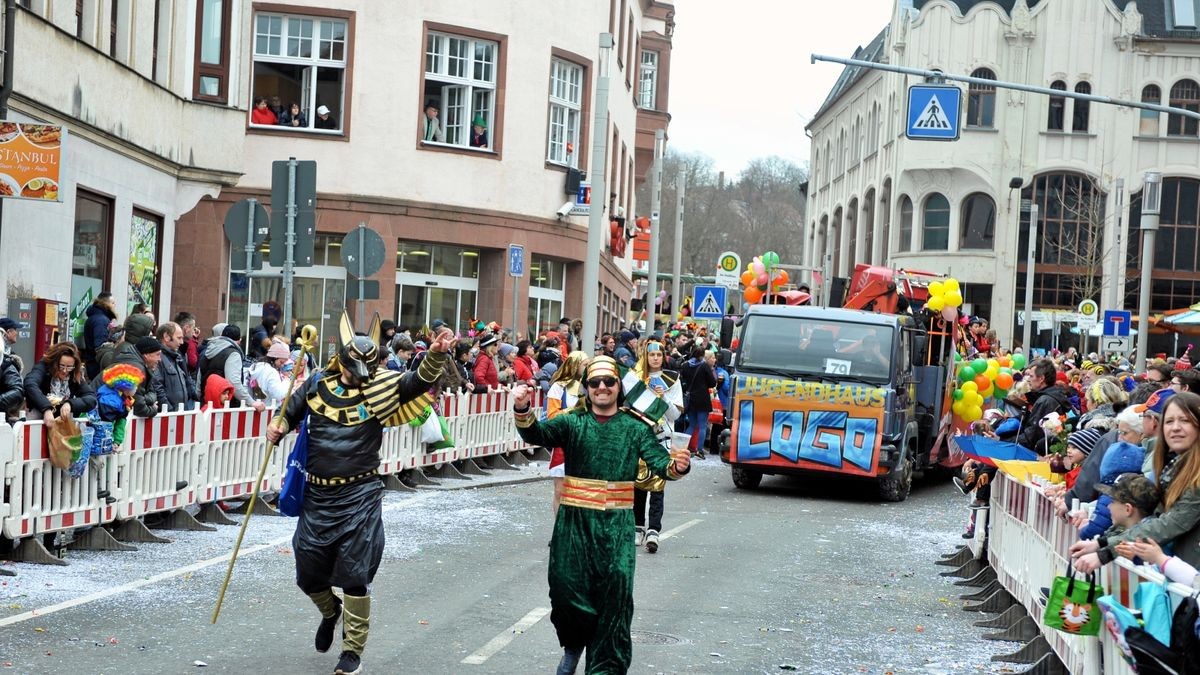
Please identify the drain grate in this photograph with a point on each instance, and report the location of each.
(645, 637)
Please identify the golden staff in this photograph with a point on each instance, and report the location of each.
(308, 342)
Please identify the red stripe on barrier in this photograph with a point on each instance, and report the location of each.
(68, 520)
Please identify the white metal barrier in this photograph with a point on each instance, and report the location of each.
(217, 453)
(1028, 548)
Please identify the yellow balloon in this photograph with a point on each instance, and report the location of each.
(952, 298)
(935, 303)
(969, 388)
(987, 393)
(950, 285)
(972, 414)
(993, 364)
(935, 288)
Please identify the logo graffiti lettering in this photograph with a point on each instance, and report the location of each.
(828, 437)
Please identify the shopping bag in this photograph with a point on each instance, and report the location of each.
(1118, 619)
(291, 495)
(1071, 607)
(66, 441)
(436, 433)
(1152, 600)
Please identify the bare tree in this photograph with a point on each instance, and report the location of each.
(1073, 237)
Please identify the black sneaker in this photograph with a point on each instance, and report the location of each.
(324, 639)
(349, 664)
(958, 483)
(969, 534)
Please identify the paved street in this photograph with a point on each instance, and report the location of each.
(803, 576)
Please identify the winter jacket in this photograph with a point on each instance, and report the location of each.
(224, 357)
(265, 377)
(1178, 526)
(191, 349)
(95, 331)
(178, 387)
(12, 390)
(524, 368)
(1041, 403)
(37, 390)
(254, 346)
(214, 388)
(1120, 458)
(625, 357)
(1089, 473)
(549, 355)
(486, 374)
(698, 380)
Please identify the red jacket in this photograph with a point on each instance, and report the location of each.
(524, 367)
(264, 116)
(486, 374)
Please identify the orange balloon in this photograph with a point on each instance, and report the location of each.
(1004, 362)
(1004, 381)
(781, 277)
(752, 294)
(982, 382)
(747, 278)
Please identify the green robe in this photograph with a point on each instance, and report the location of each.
(592, 553)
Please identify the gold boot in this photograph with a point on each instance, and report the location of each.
(331, 611)
(356, 623)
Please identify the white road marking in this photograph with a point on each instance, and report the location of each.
(194, 567)
(676, 530)
(501, 641)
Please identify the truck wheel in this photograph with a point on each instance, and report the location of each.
(895, 486)
(745, 478)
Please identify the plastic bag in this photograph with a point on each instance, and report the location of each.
(291, 495)
(1152, 600)
(66, 441)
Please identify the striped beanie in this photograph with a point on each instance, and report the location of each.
(1084, 439)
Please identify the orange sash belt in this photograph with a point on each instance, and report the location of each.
(599, 495)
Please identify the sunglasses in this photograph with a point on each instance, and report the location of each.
(595, 382)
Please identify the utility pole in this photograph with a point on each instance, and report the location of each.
(595, 238)
(1151, 202)
(677, 256)
(655, 219)
(289, 263)
(1027, 334)
(1118, 295)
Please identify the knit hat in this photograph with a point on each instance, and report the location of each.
(8, 324)
(626, 336)
(218, 328)
(279, 350)
(506, 349)
(1121, 457)
(147, 345)
(1084, 440)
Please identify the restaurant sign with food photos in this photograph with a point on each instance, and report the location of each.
(30, 160)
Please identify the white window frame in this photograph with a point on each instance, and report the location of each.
(648, 80)
(311, 63)
(472, 84)
(566, 112)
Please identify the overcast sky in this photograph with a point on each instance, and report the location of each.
(741, 83)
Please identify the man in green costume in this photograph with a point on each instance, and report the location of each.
(592, 552)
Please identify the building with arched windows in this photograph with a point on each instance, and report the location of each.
(961, 207)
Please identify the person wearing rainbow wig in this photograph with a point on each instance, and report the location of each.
(106, 422)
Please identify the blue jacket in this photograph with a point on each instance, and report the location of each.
(1120, 458)
(95, 330)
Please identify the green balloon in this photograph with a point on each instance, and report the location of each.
(1000, 394)
(980, 365)
(957, 357)
(958, 394)
(770, 259)
(1006, 371)
(966, 373)
(1018, 361)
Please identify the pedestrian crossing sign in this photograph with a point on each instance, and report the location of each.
(933, 112)
(710, 302)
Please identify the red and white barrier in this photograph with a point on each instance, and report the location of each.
(234, 441)
(159, 453)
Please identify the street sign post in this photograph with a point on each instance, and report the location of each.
(709, 302)
(1116, 344)
(246, 226)
(934, 112)
(362, 255)
(729, 265)
(516, 270)
(583, 200)
(293, 222)
(1089, 314)
(1117, 322)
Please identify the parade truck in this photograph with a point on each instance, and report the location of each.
(820, 391)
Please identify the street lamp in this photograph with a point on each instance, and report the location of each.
(596, 229)
(1151, 201)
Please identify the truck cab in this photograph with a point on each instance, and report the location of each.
(824, 391)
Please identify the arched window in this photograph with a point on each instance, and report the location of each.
(906, 224)
(856, 140)
(828, 162)
(816, 179)
(1185, 94)
(978, 220)
(1079, 120)
(874, 126)
(935, 223)
(981, 100)
(1054, 121)
(1148, 119)
(845, 163)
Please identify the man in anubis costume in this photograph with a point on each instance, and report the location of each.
(339, 536)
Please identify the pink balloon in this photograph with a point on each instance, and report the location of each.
(663, 294)
(949, 313)
(762, 279)
(758, 268)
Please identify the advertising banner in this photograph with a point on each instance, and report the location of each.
(143, 261)
(30, 157)
(798, 424)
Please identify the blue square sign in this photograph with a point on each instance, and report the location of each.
(1117, 322)
(516, 260)
(709, 302)
(933, 112)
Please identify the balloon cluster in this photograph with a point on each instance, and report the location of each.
(945, 297)
(982, 379)
(762, 274)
